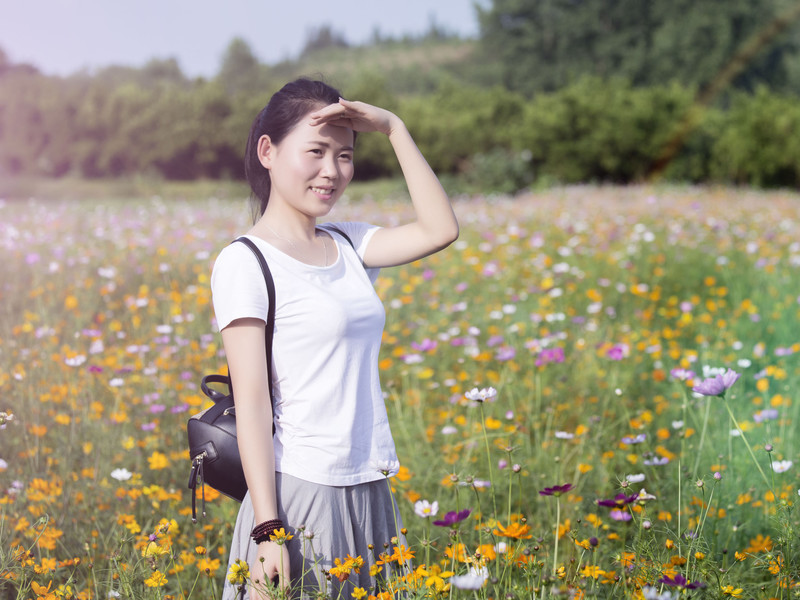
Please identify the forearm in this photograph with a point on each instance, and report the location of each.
(254, 432)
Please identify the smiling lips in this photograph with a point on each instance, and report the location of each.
(323, 191)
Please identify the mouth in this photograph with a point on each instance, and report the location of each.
(323, 191)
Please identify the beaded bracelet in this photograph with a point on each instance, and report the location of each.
(263, 531)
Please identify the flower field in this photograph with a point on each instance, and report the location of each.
(593, 394)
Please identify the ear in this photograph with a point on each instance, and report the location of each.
(266, 151)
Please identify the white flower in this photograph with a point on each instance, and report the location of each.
(472, 580)
(481, 395)
(644, 495)
(121, 474)
(116, 382)
(385, 467)
(449, 430)
(564, 435)
(75, 361)
(425, 509)
(781, 466)
(3, 465)
(635, 478)
(652, 593)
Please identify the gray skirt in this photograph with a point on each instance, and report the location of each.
(327, 522)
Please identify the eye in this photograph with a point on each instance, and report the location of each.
(316, 151)
(347, 157)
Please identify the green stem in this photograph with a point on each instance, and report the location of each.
(555, 552)
(699, 450)
(746, 443)
(488, 459)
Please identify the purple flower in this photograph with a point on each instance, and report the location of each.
(550, 355)
(620, 515)
(453, 517)
(618, 501)
(424, 346)
(616, 352)
(634, 440)
(556, 490)
(718, 385)
(681, 582)
(682, 374)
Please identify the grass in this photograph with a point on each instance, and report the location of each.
(576, 305)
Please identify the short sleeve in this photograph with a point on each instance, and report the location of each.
(360, 234)
(237, 286)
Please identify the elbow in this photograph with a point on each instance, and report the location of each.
(448, 234)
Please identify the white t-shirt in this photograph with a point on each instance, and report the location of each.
(331, 425)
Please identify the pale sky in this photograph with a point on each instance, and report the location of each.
(63, 36)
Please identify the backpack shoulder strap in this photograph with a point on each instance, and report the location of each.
(333, 228)
(269, 330)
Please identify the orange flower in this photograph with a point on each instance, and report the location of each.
(515, 531)
(759, 544)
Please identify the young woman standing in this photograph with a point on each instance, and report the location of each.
(322, 475)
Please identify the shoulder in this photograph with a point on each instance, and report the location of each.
(356, 233)
(235, 261)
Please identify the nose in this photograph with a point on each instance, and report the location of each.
(330, 168)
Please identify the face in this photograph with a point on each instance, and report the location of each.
(310, 168)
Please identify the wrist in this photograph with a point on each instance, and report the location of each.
(263, 531)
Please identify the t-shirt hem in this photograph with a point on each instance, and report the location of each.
(335, 482)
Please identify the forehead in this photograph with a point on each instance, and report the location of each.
(326, 133)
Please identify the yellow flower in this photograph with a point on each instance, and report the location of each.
(592, 571)
(153, 550)
(157, 579)
(158, 460)
(280, 537)
(401, 555)
(729, 590)
(208, 565)
(359, 593)
(239, 572)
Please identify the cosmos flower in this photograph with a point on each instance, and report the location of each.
(618, 501)
(556, 490)
(717, 385)
(452, 518)
(681, 582)
(481, 395)
(473, 580)
(121, 474)
(425, 509)
(781, 466)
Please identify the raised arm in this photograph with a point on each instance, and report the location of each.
(244, 348)
(435, 226)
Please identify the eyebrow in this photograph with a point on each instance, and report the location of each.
(327, 145)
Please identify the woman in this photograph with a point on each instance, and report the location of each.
(322, 474)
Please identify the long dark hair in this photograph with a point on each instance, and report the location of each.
(284, 110)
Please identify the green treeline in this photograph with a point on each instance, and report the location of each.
(554, 90)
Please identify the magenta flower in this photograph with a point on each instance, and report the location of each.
(453, 517)
(556, 490)
(618, 501)
(681, 582)
(425, 345)
(718, 385)
(550, 355)
(617, 352)
(620, 515)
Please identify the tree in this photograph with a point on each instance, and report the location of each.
(241, 70)
(544, 45)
